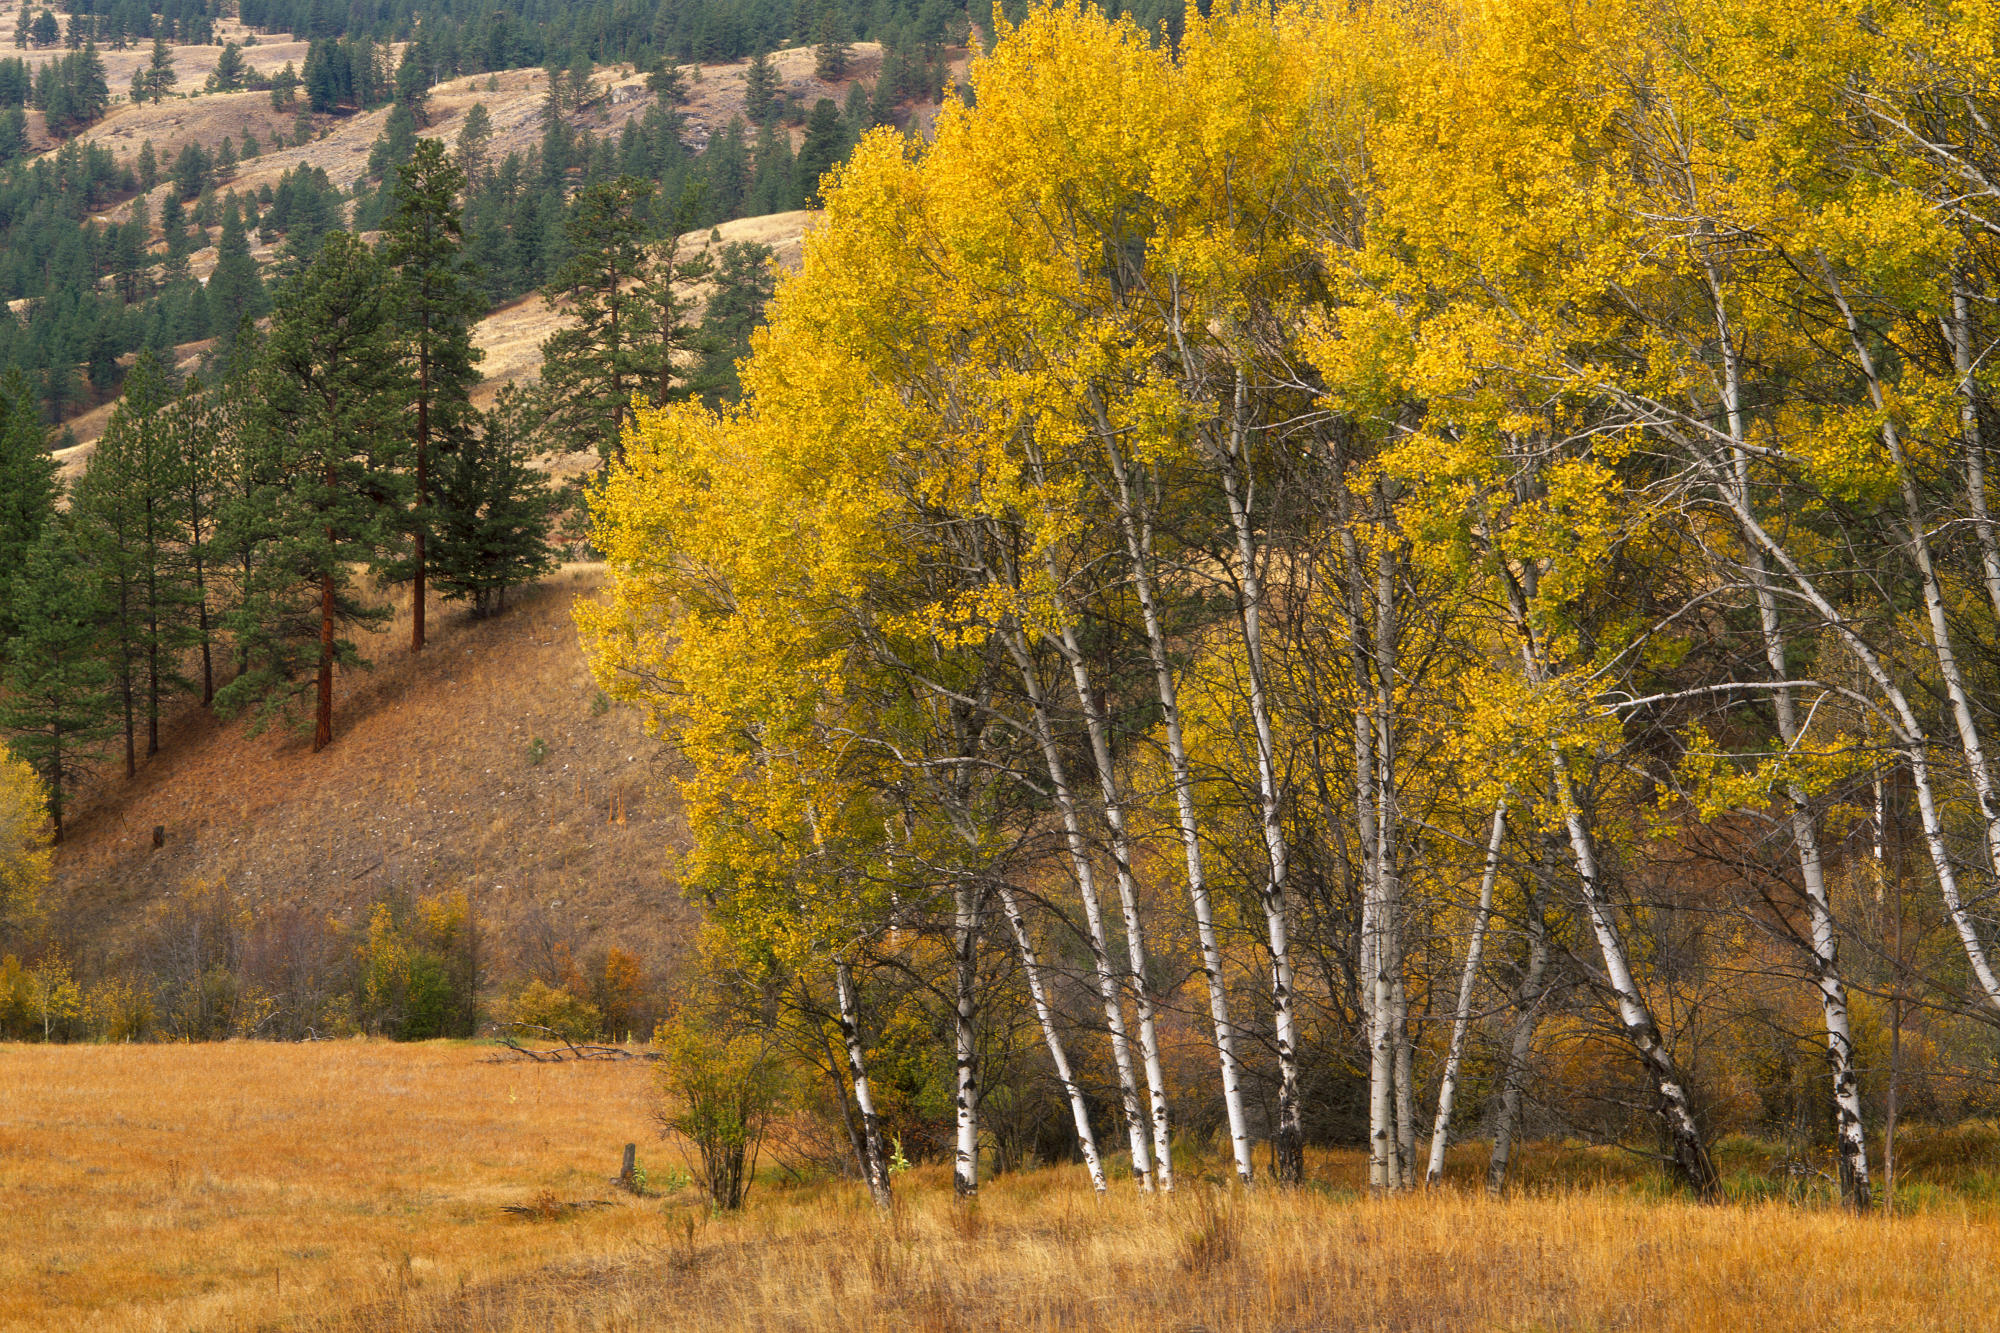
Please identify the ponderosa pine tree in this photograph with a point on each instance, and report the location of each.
(439, 300)
(328, 490)
(197, 427)
(492, 511)
(236, 288)
(57, 706)
(760, 81)
(125, 515)
(28, 488)
(745, 277)
(591, 368)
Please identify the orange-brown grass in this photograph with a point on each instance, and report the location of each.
(1039, 1253)
(231, 1185)
(353, 1186)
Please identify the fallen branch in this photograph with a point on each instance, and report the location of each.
(569, 1050)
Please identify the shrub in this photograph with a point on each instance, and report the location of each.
(555, 1008)
(722, 1087)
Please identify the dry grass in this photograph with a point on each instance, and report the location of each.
(430, 784)
(357, 1186)
(207, 1187)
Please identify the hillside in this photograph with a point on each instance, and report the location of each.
(433, 783)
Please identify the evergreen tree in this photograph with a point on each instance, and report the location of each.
(493, 511)
(231, 70)
(760, 82)
(57, 706)
(475, 140)
(823, 147)
(235, 289)
(149, 166)
(591, 367)
(672, 343)
(285, 88)
(832, 52)
(439, 301)
(328, 489)
(197, 431)
(124, 518)
(160, 72)
(28, 488)
(744, 282)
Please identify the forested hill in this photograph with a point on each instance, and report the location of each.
(313, 329)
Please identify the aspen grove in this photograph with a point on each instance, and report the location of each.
(1388, 571)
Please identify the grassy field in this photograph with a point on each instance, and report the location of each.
(361, 1186)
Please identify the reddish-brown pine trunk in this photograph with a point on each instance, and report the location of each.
(423, 488)
(323, 718)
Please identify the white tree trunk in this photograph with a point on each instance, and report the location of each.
(1128, 900)
(1461, 1018)
(1103, 974)
(1086, 1138)
(1528, 1012)
(1676, 1110)
(1138, 542)
(1289, 1147)
(1850, 1138)
(875, 1163)
(1958, 330)
(965, 1171)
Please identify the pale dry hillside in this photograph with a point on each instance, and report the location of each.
(435, 781)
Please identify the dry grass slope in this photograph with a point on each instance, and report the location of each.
(430, 784)
(355, 1186)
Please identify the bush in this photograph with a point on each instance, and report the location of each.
(721, 1090)
(542, 1005)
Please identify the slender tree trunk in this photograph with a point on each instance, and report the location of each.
(874, 1161)
(323, 712)
(1406, 1092)
(1461, 1019)
(1288, 1150)
(1138, 543)
(1959, 332)
(1103, 974)
(421, 522)
(1942, 651)
(201, 621)
(965, 1171)
(1086, 1138)
(1909, 732)
(1850, 1139)
(152, 629)
(1109, 785)
(1528, 1012)
(1690, 1154)
(1675, 1108)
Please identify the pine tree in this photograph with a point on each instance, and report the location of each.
(744, 282)
(231, 70)
(820, 151)
(493, 511)
(160, 72)
(439, 300)
(327, 489)
(125, 518)
(833, 51)
(28, 488)
(475, 140)
(57, 706)
(197, 431)
(760, 81)
(591, 367)
(672, 344)
(235, 289)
